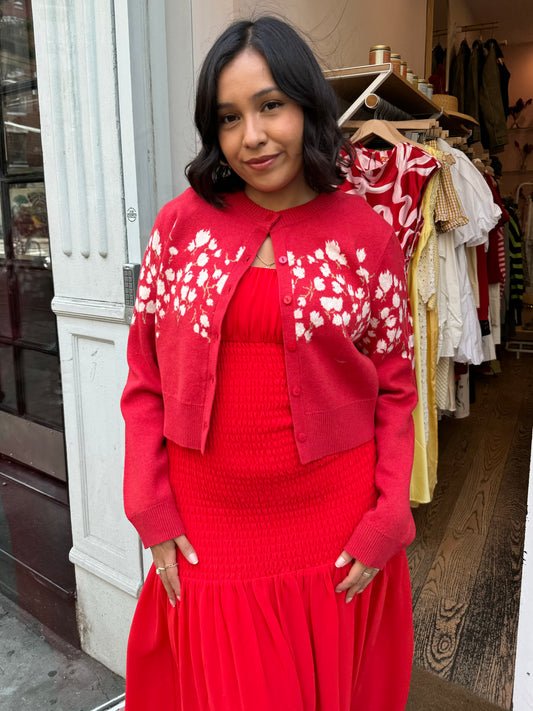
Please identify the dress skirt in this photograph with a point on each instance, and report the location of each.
(259, 626)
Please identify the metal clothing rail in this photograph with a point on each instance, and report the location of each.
(482, 26)
(519, 188)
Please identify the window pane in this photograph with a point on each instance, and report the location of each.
(42, 383)
(37, 320)
(5, 321)
(30, 224)
(8, 395)
(22, 129)
(17, 60)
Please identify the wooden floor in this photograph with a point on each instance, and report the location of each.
(466, 559)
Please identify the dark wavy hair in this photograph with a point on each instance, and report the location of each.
(298, 75)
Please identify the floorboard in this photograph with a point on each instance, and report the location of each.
(466, 559)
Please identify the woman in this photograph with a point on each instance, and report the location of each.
(268, 411)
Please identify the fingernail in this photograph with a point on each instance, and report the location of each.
(193, 558)
(340, 562)
(349, 599)
(338, 590)
(172, 602)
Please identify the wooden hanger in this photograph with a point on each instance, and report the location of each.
(377, 128)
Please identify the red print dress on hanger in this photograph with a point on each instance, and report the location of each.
(393, 182)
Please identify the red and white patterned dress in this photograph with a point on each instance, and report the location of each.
(393, 182)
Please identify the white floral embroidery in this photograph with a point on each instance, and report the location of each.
(316, 318)
(334, 253)
(202, 274)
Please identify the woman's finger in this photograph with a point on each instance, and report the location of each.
(171, 583)
(359, 577)
(164, 555)
(186, 548)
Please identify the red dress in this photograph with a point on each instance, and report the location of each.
(259, 626)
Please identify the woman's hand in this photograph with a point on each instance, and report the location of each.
(164, 555)
(357, 579)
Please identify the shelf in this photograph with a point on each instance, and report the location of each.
(353, 84)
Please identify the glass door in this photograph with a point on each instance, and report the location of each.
(31, 420)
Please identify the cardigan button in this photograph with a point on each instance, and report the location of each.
(287, 299)
(282, 259)
(302, 436)
(296, 390)
(291, 346)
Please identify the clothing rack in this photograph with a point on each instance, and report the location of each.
(483, 26)
(519, 188)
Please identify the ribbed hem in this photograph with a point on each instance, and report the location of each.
(159, 523)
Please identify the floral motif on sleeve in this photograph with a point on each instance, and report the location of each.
(189, 290)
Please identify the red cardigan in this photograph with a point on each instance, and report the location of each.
(347, 340)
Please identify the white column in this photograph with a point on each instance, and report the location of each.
(523, 684)
(107, 171)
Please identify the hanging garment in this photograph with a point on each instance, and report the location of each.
(473, 84)
(483, 215)
(449, 301)
(438, 57)
(516, 277)
(445, 385)
(458, 80)
(494, 134)
(393, 182)
(487, 341)
(496, 252)
(504, 73)
(422, 282)
(449, 212)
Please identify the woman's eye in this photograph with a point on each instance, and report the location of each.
(271, 105)
(227, 119)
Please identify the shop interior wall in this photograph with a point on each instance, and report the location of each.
(340, 32)
(519, 62)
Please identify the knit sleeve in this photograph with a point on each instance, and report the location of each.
(148, 499)
(388, 342)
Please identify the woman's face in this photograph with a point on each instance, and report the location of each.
(260, 131)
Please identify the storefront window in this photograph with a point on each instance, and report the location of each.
(29, 362)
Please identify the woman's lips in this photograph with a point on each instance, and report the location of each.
(261, 163)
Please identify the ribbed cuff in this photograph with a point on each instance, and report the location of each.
(372, 547)
(159, 523)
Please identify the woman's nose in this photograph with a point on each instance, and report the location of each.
(254, 134)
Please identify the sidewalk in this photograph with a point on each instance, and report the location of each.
(39, 671)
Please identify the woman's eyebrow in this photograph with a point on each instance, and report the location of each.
(257, 95)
